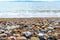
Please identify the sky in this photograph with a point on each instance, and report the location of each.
(29, 0)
